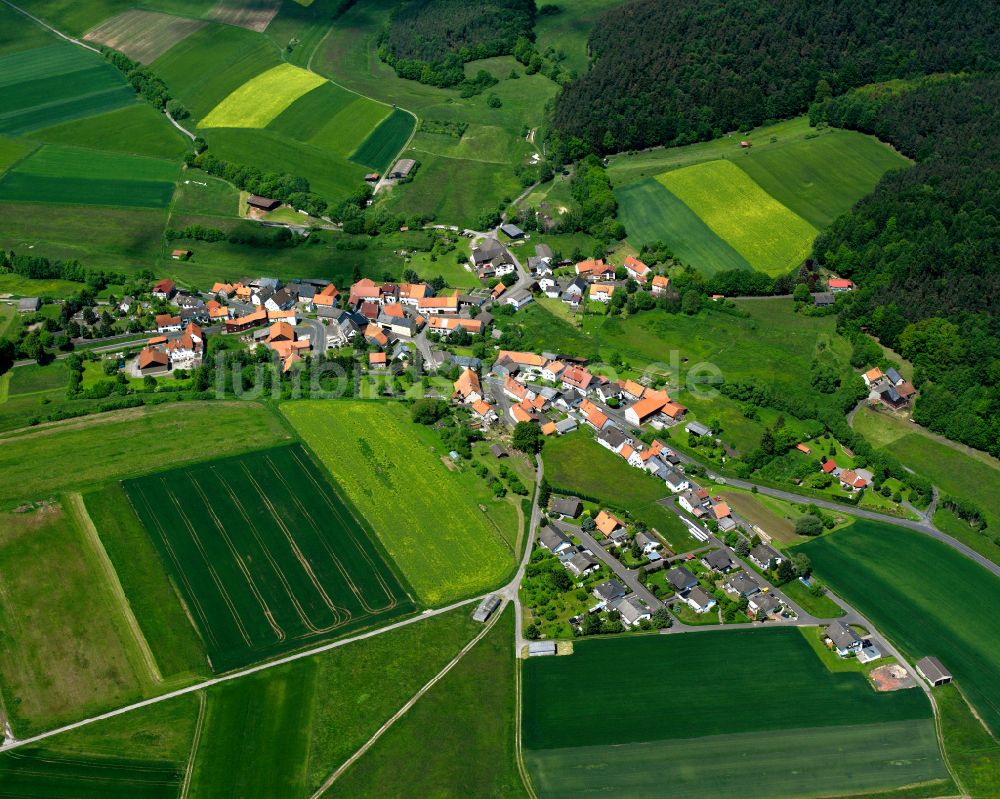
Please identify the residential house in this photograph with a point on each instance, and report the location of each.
(699, 600)
(607, 390)
(567, 507)
(581, 564)
(824, 299)
(152, 361)
(567, 425)
(647, 543)
(518, 299)
(843, 638)
(636, 269)
(681, 579)
(675, 481)
(576, 377)
(167, 323)
(468, 389)
(242, 323)
(553, 540)
(631, 609)
(601, 292)
(594, 270)
(762, 605)
(165, 289)
(227, 290)
(610, 525)
(447, 304)
(552, 370)
(487, 251)
(612, 438)
(283, 339)
(840, 284)
(719, 560)
(573, 293)
(691, 501)
(741, 584)
(609, 591)
(765, 556)
(485, 412)
(660, 285)
(872, 376)
(187, 347)
(852, 480)
(647, 407)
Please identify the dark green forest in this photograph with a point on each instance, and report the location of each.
(671, 72)
(925, 245)
(430, 40)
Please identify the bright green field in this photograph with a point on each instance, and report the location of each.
(972, 753)
(212, 63)
(922, 594)
(469, 717)
(38, 462)
(381, 145)
(576, 462)
(651, 212)
(59, 174)
(263, 98)
(767, 234)
(54, 84)
(265, 553)
(425, 516)
(137, 129)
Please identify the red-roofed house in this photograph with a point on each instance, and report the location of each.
(636, 269)
(660, 285)
(576, 377)
(840, 284)
(165, 289)
(595, 270)
(468, 388)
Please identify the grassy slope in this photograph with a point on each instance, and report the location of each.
(91, 450)
(577, 462)
(469, 717)
(138, 130)
(554, 688)
(425, 516)
(175, 645)
(921, 593)
(66, 651)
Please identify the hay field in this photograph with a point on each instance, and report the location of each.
(425, 515)
(261, 99)
(762, 230)
(265, 554)
(143, 35)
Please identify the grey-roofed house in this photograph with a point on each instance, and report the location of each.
(632, 610)
(28, 304)
(541, 648)
(741, 584)
(543, 251)
(894, 377)
(581, 564)
(612, 438)
(609, 591)
(553, 540)
(567, 507)
(681, 579)
(765, 556)
(675, 481)
(498, 451)
(762, 605)
(699, 600)
(567, 425)
(486, 608)
(843, 638)
(932, 670)
(719, 560)
(698, 429)
(487, 250)
(824, 299)
(518, 299)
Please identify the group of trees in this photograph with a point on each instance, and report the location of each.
(923, 246)
(38, 267)
(673, 72)
(146, 83)
(431, 40)
(246, 233)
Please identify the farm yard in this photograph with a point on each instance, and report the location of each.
(265, 554)
(788, 730)
(143, 35)
(919, 592)
(446, 545)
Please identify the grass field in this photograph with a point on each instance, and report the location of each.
(204, 195)
(265, 553)
(262, 98)
(384, 142)
(305, 118)
(33, 378)
(136, 129)
(766, 233)
(143, 35)
(212, 63)
(11, 151)
(425, 516)
(59, 457)
(576, 462)
(567, 31)
(165, 625)
(920, 593)
(630, 742)
(653, 213)
(71, 175)
(65, 648)
(469, 716)
(18, 33)
(346, 129)
(973, 754)
(56, 83)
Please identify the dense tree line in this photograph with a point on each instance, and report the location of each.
(38, 267)
(146, 83)
(676, 71)
(925, 246)
(431, 40)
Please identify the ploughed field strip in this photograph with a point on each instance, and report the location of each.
(143, 35)
(29, 773)
(266, 555)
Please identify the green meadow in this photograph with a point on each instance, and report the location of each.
(262, 98)
(136, 129)
(381, 145)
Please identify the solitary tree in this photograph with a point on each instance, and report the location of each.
(527, 437)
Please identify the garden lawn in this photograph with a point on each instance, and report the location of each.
(651, 212)
(263, 98)
(576, 463)
(136, 129)
(65, 649)
(766, 233)
(143, 35)
(425, 516)
(61, 456)
(175, 645)
(470, 717)
(919, 592)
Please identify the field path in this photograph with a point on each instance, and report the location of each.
(78, 509)
(235, 675)
(58, 33)
(189, 771)
(405, 708)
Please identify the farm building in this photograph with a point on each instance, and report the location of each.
(181, 255)
(28, 305)
(933, 671)
(402, 169)
(541, 648)
(152, 362)
(262, 203)
(486, 608)
(512, 231)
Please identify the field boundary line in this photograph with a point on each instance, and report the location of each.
(189, 771)
(79, 509)
(328, 782)
(236, 675)
(57, 32)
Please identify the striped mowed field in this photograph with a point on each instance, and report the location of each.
(265, 553)
(262, 98)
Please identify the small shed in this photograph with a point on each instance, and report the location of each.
(262, 203)
(512, 231)
(181, 255)
(933, 671)
(28, 304)
(498, 451)
(541, 648)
